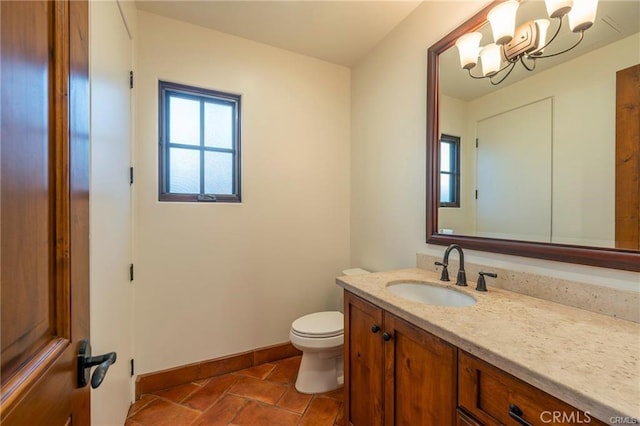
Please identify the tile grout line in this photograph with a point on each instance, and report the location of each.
(244, 404)
(129, 415)
(302, 416)
(190, 393)
(223, 394)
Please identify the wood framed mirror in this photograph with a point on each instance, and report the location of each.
(621, 250)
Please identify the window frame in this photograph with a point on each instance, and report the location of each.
(165, 91)
(454, 166)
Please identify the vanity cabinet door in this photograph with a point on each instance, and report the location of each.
(395, 373)
(420, 376)
(363, 362)
(495, 397)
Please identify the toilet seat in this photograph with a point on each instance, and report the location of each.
(319, 325)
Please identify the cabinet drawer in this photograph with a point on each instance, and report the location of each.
(463, 420)
(497, 398)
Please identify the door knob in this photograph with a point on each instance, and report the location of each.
(375, 328)
(386, 336)
(86, 361)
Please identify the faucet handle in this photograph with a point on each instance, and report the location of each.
(445, 273)
(481, 285)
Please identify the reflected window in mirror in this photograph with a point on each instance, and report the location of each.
(449, 171)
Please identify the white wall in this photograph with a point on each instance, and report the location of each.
(388, 133)
(217, 279)
(389, 155)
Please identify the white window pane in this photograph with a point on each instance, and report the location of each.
(218, 125)
(184, 171)
(445, 157)
(218, 172)
(184, 123)
(445, 188)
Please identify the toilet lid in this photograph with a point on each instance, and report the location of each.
(319, 324)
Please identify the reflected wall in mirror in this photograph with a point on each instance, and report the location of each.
(538, 152)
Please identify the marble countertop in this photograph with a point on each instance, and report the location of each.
(588, 360)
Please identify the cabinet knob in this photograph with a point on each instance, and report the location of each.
(375, 328)
(386, 336)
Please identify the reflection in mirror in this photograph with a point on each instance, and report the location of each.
(538, 151)
(449, 171)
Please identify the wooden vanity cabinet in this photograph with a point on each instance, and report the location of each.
(489, 394)
(398, 374)
(363, 363)
(395, 373)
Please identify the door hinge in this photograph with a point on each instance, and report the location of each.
(130, 175)
(476, 142)
(130, 79)
(131, 272)
(476, 199)
(132, 369)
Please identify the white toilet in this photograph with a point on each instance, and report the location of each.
(320, 337)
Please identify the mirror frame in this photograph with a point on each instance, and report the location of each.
(603, 257)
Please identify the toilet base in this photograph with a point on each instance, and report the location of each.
(320, 372)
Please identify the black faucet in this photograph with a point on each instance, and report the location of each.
(462, 276)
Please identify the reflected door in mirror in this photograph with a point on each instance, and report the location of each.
(514, 174)
(628, 158)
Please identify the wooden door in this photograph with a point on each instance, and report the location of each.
(420, 377)
(628, 158)
(44, 207)
(363, 363)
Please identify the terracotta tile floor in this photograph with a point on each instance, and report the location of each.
(261, 395)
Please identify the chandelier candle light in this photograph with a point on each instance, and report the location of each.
(523, 44)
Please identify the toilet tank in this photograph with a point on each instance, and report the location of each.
(354, 271)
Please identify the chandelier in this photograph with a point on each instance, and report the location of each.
(524, 44)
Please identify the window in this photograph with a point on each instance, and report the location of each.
(199, 144)
(449, 171)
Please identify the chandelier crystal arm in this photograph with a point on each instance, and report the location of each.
(564, 51)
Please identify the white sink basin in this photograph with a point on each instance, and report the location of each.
(431, 294)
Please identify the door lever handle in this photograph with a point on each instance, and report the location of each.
(86, 361)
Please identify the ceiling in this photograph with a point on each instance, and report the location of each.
(341, 32)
